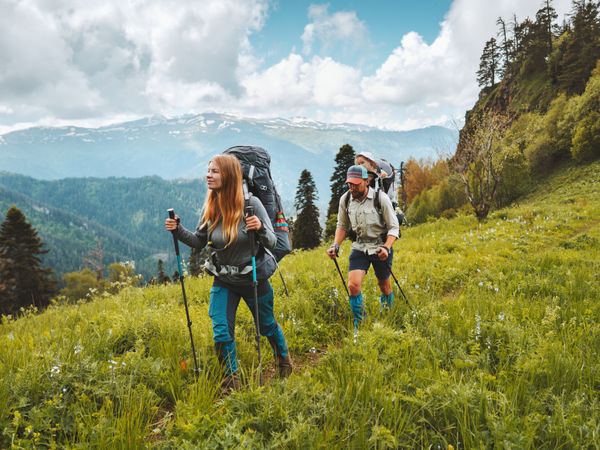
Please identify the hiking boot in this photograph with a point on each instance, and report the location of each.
(230, 383)
(285, 366)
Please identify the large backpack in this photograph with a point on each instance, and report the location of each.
(388, 182)
(256, 168)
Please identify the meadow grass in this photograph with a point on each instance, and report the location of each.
(497, 348)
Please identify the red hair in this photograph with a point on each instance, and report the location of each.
(227, 204)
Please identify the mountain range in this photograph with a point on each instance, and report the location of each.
(180, 147)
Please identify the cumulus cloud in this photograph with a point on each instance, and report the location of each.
(91, 61)
(294, 82)
(342, 27)
(83, 59)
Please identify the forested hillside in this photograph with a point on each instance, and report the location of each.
(538, 108)
(125, 214)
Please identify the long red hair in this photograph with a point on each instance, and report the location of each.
(227, 204)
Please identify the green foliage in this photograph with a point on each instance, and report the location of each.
(551, 139)
(514, 176)
(330, 226)
(343, 160)
(546, 70)
(72, 214)
(23, 281)
(500, 347)
(489, 64)
(162, 277)
(79, 285)
(580, 53)
(307, 229)
(440, 201)
(586, 139)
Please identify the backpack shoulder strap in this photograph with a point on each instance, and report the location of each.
(377, 201)
(247, 193)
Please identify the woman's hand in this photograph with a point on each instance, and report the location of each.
(171, 224)
(253, 223)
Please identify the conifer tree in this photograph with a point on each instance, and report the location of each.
(489, 64)
(162, 277)
(195, 261)
(95, 260)
(343, 160)
(583, 50)
(545, 18)
(307, 230)
(23, 280)
(507, 46)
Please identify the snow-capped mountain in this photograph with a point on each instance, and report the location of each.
(180, 147)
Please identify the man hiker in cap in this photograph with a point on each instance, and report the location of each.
(376, 230)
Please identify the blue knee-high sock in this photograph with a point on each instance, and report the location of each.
(356, 305)
(387, 300)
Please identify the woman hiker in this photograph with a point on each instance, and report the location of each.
(225, 230)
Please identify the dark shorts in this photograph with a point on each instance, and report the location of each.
(361, 261)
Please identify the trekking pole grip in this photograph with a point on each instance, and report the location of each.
(249, 210)
(175, 242)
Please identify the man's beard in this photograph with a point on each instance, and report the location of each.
(357, 195)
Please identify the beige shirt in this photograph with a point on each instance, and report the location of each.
(369, 225)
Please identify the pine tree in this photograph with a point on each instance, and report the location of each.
(162, 277)
(507, 49)
(307, 230)
(489, 64)
(196, 261)
(583, 49)
(23, 281)
(545, 18)
(343, 160)
(95, 260)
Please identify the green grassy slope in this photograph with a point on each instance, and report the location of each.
(499, 348)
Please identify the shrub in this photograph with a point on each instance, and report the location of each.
(586, 139)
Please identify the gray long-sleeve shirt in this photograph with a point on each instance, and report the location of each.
(369, 225)
(240, 252)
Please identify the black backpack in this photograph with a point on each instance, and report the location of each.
(256, 168)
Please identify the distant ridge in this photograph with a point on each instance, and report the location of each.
(181, 147)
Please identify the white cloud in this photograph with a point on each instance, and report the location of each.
(84, 59)
(293, 82)
(330, 29)
(94, 61)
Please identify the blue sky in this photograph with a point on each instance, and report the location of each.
(386, 20)
(390, 64)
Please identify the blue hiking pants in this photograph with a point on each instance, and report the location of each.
(224, 301)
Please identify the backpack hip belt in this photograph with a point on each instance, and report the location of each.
(223, 269)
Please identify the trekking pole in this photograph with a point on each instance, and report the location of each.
(187, 312)
(287, 294)
(401, 291)
(251, 235)
(341, 276)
